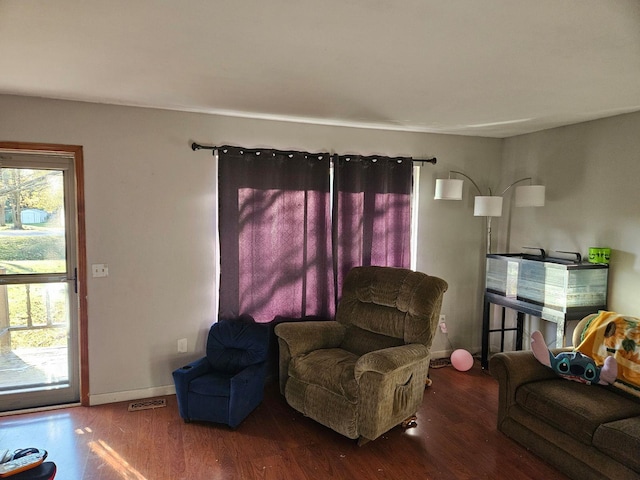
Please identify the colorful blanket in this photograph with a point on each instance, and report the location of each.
(611, 334)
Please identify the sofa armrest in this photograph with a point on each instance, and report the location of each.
(516, 368)
(512, 369)
(297, 338)
(390, 359)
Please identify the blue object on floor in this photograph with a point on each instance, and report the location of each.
(227, 384)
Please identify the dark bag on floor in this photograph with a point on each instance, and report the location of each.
(44, 471)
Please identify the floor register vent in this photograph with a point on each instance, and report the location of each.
(147, 404)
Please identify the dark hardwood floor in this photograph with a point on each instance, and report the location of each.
(456, 438)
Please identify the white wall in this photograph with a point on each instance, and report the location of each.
(150, 210)
(150, 215)
(591, 171)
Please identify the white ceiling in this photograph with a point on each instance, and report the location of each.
(492, 68)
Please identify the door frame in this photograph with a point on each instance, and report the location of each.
(74, 151)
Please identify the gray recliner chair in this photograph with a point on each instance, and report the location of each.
(365, 372)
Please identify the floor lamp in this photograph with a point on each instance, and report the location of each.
(489, 206)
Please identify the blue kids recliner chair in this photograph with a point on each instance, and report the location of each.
(227, 384)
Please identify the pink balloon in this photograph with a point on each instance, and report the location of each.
(461, 360)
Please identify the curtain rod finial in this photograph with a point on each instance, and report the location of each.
(196, 146)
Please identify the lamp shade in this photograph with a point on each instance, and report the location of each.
(448, 189)
(530, 196)
(487, 206)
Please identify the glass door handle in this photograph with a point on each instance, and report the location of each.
(74, 279)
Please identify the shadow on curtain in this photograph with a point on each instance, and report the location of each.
(275, 234)
(372, 213)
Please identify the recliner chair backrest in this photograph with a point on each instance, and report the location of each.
(390, 302)
(234, 344)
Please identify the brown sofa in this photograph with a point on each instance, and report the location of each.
(585, 431)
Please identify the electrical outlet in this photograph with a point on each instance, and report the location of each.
(442, 323)
(182, 345)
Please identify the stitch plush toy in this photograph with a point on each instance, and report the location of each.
(574, 365)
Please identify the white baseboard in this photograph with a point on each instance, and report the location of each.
(128, 395)
(38, 409)
(115, 397)
(447, 353)
(440, 354)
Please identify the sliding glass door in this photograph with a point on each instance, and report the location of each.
(39, 348)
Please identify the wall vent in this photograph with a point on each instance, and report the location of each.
(147, 404)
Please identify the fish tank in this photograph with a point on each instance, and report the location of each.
(550, 282)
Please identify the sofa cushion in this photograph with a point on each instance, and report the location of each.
(610, 436)
(574, 408)
(329, 368)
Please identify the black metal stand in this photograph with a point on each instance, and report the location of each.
(523, 308)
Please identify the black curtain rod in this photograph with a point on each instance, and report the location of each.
(196, 146)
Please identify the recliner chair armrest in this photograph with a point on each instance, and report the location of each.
(390, 359)
(391, 386)
(251, 373)
(246, 392)
(304, 337)
(181, 379)
(192, 370)
(297, 338)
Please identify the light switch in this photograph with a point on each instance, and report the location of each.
(100, 270)
(182, 345)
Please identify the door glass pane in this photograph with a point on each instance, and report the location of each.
(32, 226)
(34, 333)
(38, 330)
